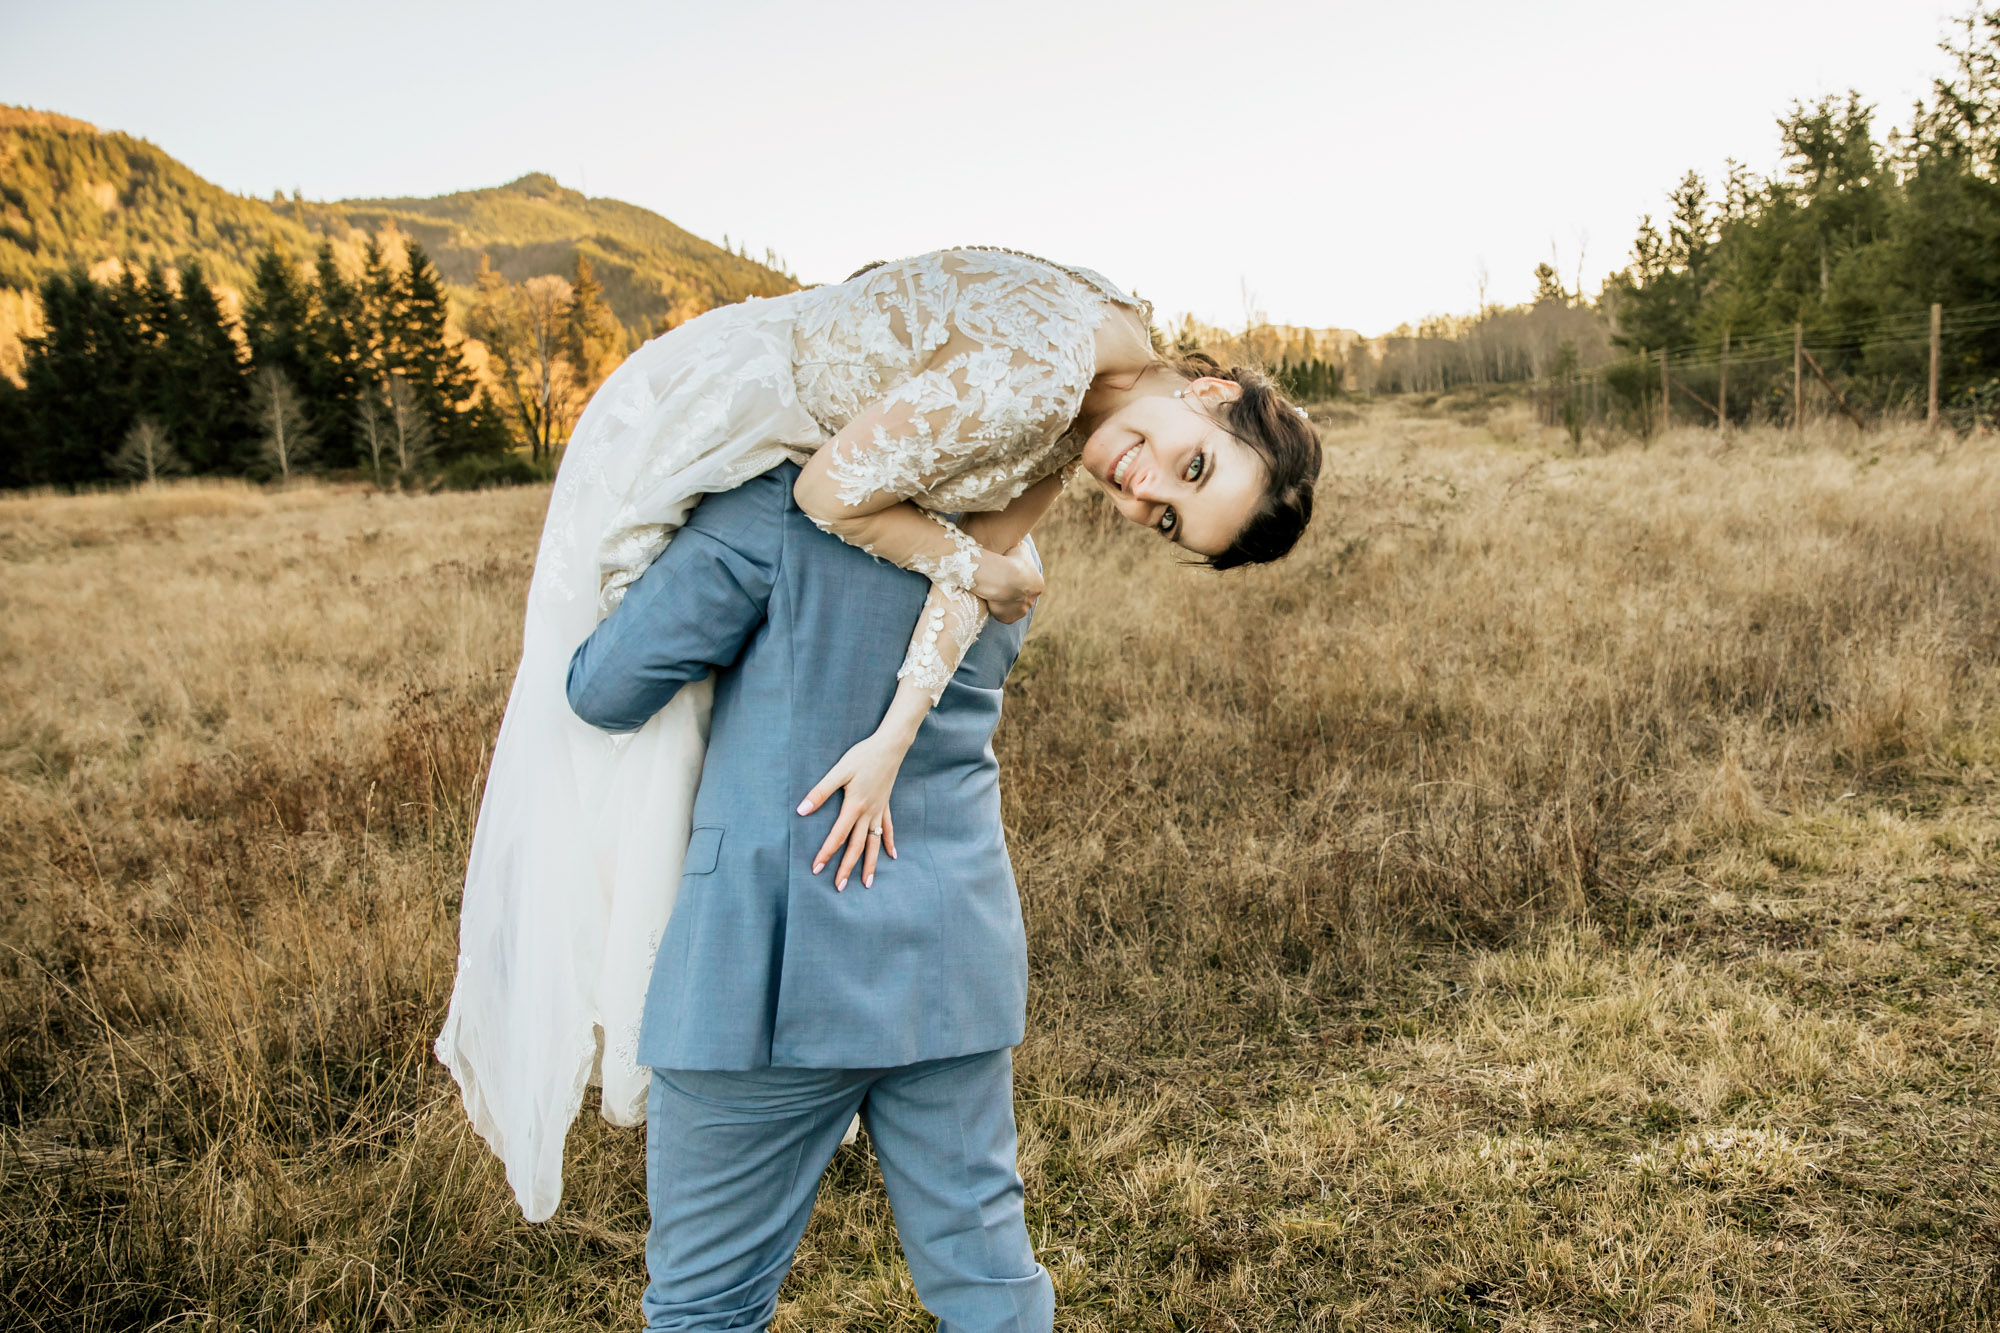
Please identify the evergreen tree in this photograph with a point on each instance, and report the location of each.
(335, 336)
(276, 318)
(152, 326)
(594, 340)
(77, 402)
(1548, 285)
(211, 385)
(13, 434)
(418, 346)
(1851, 243)
(377, 294)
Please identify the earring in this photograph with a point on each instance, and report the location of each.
(1179, 392)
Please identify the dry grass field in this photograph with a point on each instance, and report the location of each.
(1564, 896)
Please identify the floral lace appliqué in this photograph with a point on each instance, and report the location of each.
(974, 362)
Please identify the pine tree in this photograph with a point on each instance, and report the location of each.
(594, 340)
(377, 294)
(210, 382)
(419, 346)
(334, 337)
(78, 398)
(275, 318)
(13, 434)
(158, 314)
(1548, 285)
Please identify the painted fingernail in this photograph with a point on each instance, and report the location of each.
(867, 881)
(841, 885)
(805, 807)
(818, 866)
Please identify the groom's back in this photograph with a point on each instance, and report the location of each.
(764, 963)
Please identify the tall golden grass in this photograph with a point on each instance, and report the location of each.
(1562, 896)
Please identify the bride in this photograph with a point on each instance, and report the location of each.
(967, 381)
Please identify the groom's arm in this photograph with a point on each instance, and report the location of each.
(690, 612)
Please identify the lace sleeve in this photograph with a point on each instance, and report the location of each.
(942, 552)
(952, 616)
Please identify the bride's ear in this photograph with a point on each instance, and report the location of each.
(1214, 389)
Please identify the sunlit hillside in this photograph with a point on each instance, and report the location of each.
(651, 269)
(72, 194)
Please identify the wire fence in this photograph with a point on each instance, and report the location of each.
(1935, 365)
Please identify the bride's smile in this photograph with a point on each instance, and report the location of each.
(1168, 464)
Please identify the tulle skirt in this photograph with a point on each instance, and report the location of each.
(577, 852)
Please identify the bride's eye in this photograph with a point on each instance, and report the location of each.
(1169, 520)
(1196, 466)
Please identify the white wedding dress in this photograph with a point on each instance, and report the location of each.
(966, 368)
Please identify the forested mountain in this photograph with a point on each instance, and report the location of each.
(653, 272)
(71, 194)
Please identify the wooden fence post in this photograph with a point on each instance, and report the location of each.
(1799, 377)
(1666, 394)
(1722, 387)
(1646, 422)
(1937, 339)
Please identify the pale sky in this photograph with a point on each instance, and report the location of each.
(1350, 165)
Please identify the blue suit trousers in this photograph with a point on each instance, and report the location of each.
(733, 1164)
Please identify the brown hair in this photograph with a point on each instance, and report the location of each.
(1264, 421)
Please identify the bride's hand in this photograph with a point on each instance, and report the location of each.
(1008, 584)
(867, 772)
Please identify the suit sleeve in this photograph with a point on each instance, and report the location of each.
(691, 612)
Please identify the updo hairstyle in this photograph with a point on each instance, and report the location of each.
(1264, 421)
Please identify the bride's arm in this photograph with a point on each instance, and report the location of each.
(857, 486)
(966, 567)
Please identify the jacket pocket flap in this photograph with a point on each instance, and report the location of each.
(703, 848)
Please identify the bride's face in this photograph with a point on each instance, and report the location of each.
(1167, 464)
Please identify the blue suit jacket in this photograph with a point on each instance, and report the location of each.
(763, 963)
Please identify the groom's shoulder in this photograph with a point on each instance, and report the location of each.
(751, 516)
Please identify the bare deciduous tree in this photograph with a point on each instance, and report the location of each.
(288, 440)
(525, 327)
(370, 425)
(409, 427)
(146, 455)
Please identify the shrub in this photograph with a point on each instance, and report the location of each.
(478, 472)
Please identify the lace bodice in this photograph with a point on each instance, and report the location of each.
(991, 349)
(957, 377)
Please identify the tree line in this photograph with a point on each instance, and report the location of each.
(1842, 253)
(1834, 264)
(147, 374)
(1849, 245)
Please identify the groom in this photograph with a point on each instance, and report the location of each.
(780, 1007)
